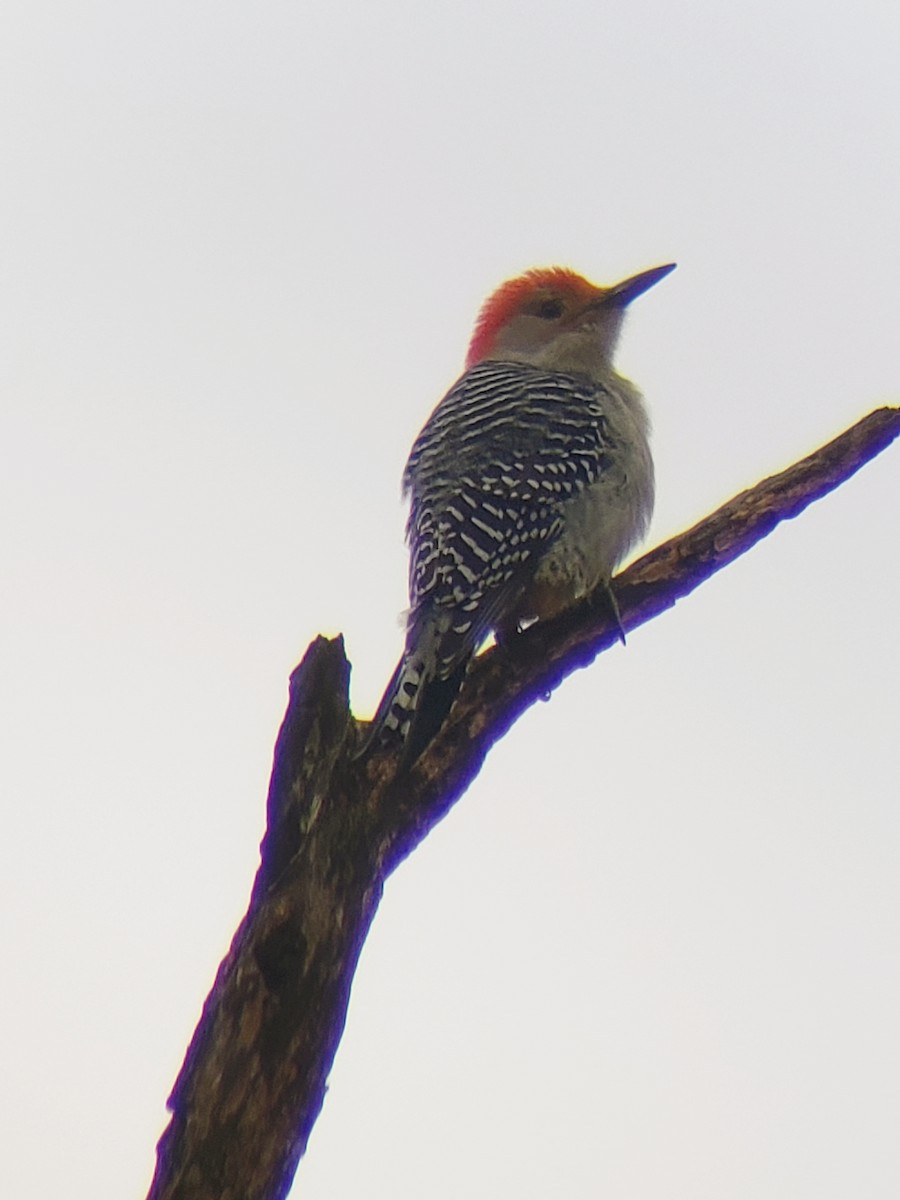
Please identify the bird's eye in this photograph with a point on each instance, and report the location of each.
(549, 310)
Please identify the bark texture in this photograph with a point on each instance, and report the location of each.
(254, 1077)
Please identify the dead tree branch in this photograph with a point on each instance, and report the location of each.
(254, 1077)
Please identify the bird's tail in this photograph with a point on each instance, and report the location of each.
(416, 702)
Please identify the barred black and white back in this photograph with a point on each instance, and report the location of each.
(510, 458)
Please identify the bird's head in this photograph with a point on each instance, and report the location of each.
(553, 318)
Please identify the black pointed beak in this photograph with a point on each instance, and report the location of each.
(629, 289)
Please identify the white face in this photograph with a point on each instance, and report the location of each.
(556, 328)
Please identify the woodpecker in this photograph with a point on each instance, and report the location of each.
(528, 484)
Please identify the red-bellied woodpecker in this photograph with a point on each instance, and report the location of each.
(529, 483)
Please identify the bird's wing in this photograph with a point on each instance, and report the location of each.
(489, 477)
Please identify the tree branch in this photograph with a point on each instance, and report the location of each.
(254, 1077)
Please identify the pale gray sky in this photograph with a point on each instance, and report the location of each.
(654, 951)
